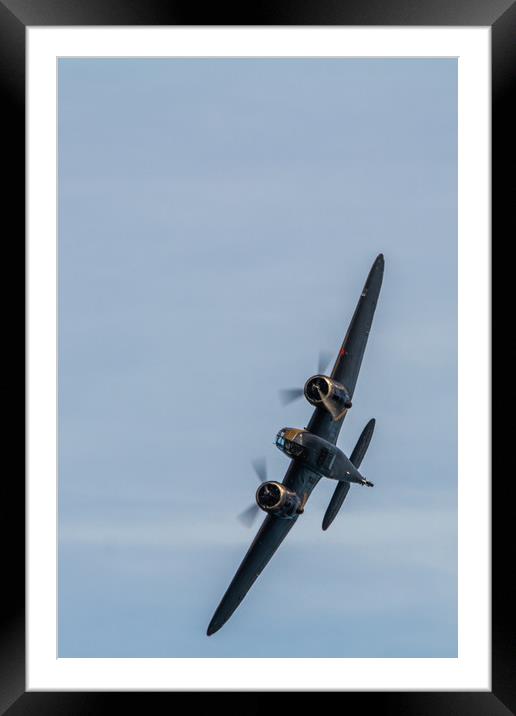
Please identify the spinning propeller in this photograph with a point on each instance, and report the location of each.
(268, 491)
(289, 395)
(328, 404)
(248, 516)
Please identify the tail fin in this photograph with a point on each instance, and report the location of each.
(342, 488)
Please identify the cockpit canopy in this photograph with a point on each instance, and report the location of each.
(288, 441)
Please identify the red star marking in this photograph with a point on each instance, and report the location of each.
(343, 352)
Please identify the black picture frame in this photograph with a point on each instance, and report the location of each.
(15, 16)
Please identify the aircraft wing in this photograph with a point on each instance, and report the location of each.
(349, 360)
(270, 535)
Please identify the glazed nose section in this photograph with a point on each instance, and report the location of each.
(280, 439)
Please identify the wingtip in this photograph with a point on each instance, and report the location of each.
(211, 630)
(380, 259)
(213, 626)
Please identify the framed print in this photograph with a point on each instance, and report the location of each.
(203, 203)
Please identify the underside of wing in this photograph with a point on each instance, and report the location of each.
(270, 535)
(349, 360)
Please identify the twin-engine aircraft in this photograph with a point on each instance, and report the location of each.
(313, 452)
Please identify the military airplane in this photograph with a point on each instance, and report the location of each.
(312, 451)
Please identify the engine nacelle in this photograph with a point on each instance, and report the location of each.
(328, 393)
(277, 499)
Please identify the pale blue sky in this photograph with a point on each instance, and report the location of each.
(217, 220)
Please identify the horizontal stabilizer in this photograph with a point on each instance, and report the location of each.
(363, 441)
(342, 488)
